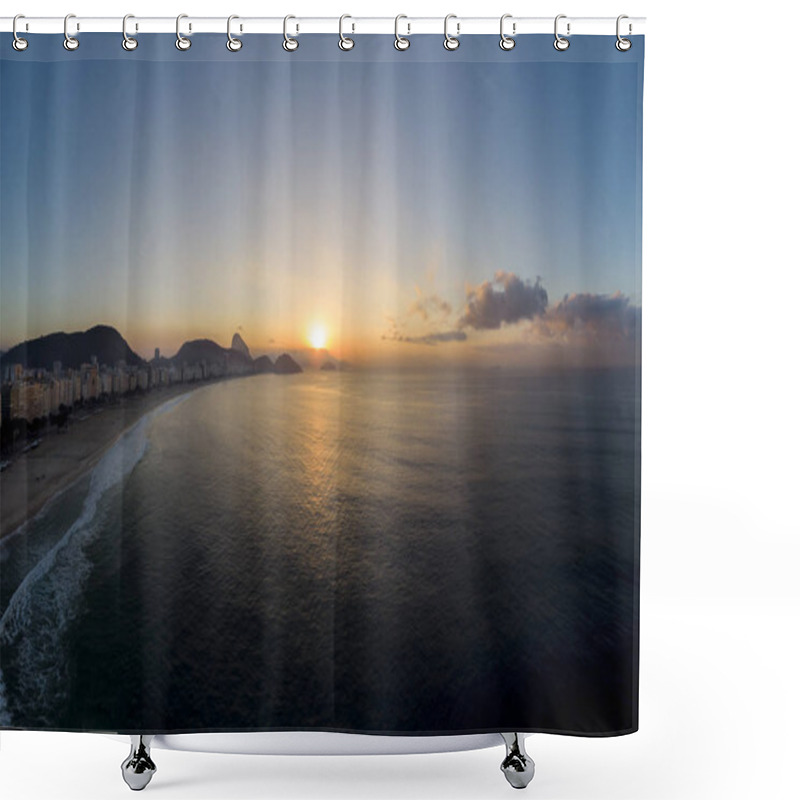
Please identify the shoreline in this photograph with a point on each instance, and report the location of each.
(60, 460)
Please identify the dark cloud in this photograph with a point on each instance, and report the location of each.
(595, 320)
(428, 338)
(606, 316)
(505, 300)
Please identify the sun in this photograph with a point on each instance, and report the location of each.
(318, 337)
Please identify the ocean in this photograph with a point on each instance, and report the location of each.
(421, 552)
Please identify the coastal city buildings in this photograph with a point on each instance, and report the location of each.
(33, 398)
(32, 394)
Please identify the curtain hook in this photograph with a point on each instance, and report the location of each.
(128, 42)
(345, 43)
(507, 42)
(290, 44)
(181, 42)
(622, 44)
(233, 44)
(451, 42)
(19, 44)
(401, 42)
(70, 42)
(560, 43)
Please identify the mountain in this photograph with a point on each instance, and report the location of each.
(263, 364)
(198, 350)
(205, 350)
(286, 365)
(73, 349)
(106, 343)
(312, 358)
(328, 366)
(238, 344)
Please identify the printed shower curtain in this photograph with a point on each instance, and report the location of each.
(320, 385)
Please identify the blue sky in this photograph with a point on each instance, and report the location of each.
(176, 195)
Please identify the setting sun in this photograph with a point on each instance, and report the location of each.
(318, 337)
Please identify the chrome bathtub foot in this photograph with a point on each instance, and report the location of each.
(138, 768)
(517, 766)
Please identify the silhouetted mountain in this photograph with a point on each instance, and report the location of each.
(238, 357)
(198, 350)
(106, 343)
(73, 349)
(286, 365)
(328, 366)
(312, 357)
(238, 344)
(263, 364)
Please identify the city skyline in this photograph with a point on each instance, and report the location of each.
(35, 392)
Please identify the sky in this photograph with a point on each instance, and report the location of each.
(417, 205)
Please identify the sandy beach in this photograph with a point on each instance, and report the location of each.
(61, 458)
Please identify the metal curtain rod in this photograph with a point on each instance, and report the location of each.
(300, 25)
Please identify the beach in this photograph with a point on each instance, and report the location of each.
(61, 458)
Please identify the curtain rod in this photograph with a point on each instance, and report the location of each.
(300, 25)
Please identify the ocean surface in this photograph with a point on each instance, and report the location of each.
(421, 552)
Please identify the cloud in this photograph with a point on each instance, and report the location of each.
(428, 338)
(433, 311)
(594, 316)
(429, 305)
(505, 300)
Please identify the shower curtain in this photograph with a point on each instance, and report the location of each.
(320, 385)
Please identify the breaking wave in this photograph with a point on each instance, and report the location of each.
(41, 610)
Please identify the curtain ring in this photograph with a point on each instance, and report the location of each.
(507, 42)
(401, 42)
(181, 42)
(70, 42)
(233, 44)
(345, 43)
(290, 44)
(128, 42)
(451, 42)
(19, 44)
(622, 44)
(560, 43)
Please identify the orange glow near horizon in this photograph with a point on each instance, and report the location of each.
(318, 336)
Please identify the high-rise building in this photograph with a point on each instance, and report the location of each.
(158, 353)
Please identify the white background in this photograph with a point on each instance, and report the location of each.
(719, 599)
